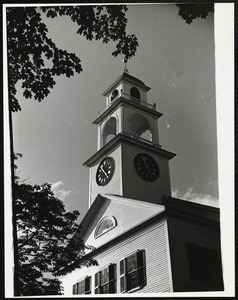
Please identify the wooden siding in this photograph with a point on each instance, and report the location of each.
(181, 233)
(153, 240)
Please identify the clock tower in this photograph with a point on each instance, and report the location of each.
(143, 239)
(129, 162)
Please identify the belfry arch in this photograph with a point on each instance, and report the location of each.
(110, 130)
(140, 127)
(134, 92)
(114, 94)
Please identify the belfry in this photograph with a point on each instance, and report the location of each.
(144, 240)
(130, 161)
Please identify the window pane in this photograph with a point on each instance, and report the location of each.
(122, 268)
(105, 289)
(131, 263)
(122, 283)
(81, 287)
(104, 276)
(132, 280)
(97, 279)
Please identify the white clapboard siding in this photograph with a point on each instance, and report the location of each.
(152, 239)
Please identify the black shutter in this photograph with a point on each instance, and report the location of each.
(112, 278)
(205, 266)
(74, 289)
(141, 267)
(87, 285)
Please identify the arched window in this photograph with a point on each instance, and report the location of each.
(134, 92)
(140, 127)
(114, 95)
(110, 130)
(106, 224)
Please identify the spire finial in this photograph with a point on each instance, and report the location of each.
(125, 61)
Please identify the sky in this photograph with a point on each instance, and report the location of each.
(175, 59)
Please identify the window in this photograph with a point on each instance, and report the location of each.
(132, 271)
(109, 130)
(105, 280)
(140, 127)
(134, 92)
(205, 265)
(114, 95)
(82, 287)
(105, 225)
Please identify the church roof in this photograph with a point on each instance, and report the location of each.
(127, 75)
(173, 208)
(130, 78)
(130, 213)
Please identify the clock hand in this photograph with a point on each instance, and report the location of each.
(104, 171)
(145, 164)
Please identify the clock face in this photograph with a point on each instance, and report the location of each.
(105, 171)
(146, 167)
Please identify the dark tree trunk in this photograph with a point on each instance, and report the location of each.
(14, 223)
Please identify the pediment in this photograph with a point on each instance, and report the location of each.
(111, 215)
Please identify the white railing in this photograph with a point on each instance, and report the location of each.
(130, 98)
(136, 136)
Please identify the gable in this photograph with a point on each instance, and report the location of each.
(114, 216)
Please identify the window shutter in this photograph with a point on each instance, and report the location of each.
(112, 278)
(123, 275)
(74, 289)
(88, 285)
(141, 267)
(112, 272)
(97, 282)
(205, 266)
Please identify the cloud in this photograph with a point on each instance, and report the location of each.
(189, 195)
(59, 190)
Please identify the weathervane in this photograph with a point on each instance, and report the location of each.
(125, 61)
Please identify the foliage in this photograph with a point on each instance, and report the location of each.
(34, 58)
(45, 243)
(189, 12)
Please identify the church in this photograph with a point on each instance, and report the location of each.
(144, 240)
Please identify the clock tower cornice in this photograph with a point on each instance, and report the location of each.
(123, 138)
(146, 108)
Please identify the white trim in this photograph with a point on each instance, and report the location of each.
(158, 207)
(168, 254)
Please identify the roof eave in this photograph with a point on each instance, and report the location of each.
(124, 138)
(130, 80)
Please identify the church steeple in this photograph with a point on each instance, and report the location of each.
(128, 112)
(129, 160)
